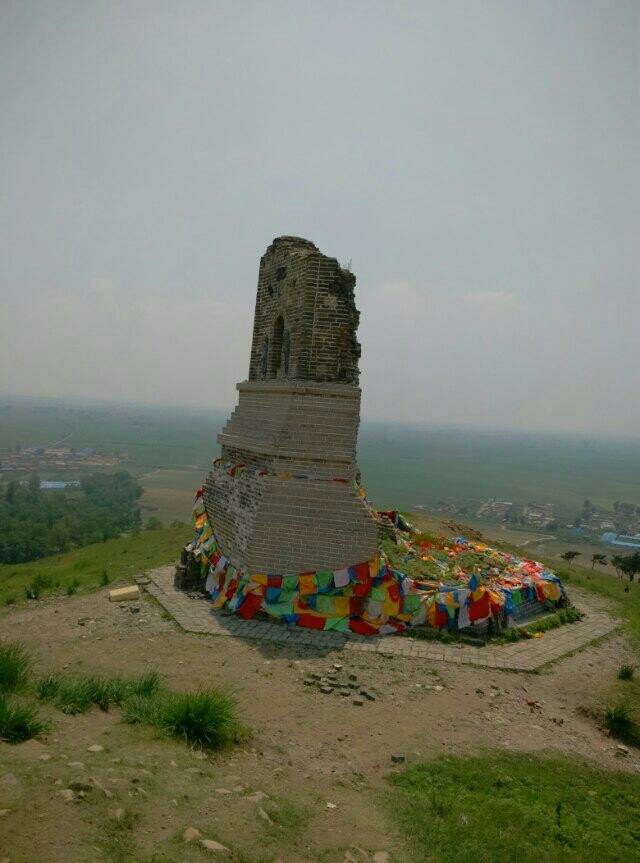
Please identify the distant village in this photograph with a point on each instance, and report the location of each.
(55, 458)
(620, 527)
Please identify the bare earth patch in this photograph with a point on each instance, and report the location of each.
(309, 783)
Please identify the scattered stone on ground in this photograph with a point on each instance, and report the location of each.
(334, 680)
(67, 795)
(291, 736)
(95, 747)
(264, 815)
(397, 758)
(213, 846)
(191, 834)
(257, 796)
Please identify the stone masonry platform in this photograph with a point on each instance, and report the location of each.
(198, 616)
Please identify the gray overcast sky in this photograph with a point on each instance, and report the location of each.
(479, 163)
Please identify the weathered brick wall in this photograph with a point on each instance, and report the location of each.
(271, 525)
(295, 426)
(298, 413)
(306, 299)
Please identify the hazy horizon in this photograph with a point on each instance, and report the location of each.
(222, 412)
(478, 163)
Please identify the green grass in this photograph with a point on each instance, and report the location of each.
(626, 602)
(78, 693)
(15, 665)
(206, 718)
(117, 841)
(288, 815)
(19, 721)
(501, 807)
(82, 570)
(618, 719)
(619, 709)
(625, 672)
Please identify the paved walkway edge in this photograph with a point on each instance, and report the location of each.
(198, 616)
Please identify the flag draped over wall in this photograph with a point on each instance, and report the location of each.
(475, 583)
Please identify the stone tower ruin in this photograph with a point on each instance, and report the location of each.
(283, 497)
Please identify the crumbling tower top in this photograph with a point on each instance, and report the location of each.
(306, 319)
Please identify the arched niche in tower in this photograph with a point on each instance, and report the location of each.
(275, 358)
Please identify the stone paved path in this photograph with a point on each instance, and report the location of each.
(196, 615)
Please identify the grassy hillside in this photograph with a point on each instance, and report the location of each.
(513, 807)
(92, 566)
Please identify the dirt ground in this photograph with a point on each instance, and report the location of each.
(321, 760)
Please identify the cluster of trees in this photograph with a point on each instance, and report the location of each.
(36, 523)
(624, 514)
(629, 565)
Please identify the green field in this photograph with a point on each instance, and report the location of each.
(168, 493)
(152, 437)
(402, 466)
(502, 807)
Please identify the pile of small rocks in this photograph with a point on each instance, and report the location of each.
(346, 684)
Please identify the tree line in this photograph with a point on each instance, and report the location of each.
(628, 565)
(36, 523)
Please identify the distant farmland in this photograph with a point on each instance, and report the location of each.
(402, 466)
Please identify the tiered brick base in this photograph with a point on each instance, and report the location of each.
(197, 616)
(280, 523)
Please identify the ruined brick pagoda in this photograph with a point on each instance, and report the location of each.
(282, 528)
(296, 507)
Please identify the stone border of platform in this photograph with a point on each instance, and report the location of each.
(198, 616)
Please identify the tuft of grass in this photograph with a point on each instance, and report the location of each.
(47, 687)
(18, 722)
(104, 578)
(625, 672)
(145, 685)
(288, 815)
(206, 718)
(117, 840)
(15, 665)
(618, 719)
(72, 587)
(142, 710)
(32, 590)
(76, 694)
(554, 808)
